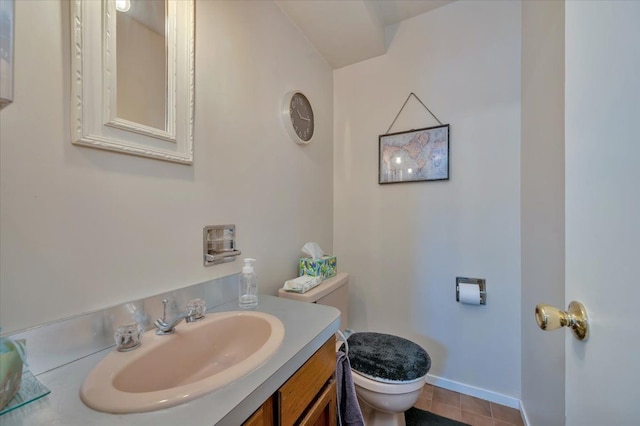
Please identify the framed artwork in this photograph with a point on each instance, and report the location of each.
(6, 52)
(414, 155)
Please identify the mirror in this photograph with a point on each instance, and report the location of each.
(141, 62)
(133, 77)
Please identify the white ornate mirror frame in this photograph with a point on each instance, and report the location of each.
(94, 121)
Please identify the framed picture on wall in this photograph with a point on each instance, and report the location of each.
(6, 52)
(414, 155)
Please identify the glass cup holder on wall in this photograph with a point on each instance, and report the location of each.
(219, 244)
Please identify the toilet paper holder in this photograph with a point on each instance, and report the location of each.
(481, 282)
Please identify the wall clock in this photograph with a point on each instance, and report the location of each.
(297, 115)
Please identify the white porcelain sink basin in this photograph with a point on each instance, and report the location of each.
(169, 370)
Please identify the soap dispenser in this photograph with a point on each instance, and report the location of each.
(248, 286)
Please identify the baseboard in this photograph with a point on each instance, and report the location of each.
(523, 413)
(498, 398)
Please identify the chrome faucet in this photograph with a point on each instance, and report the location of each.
(195, 311)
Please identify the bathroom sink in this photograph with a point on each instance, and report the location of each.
(169, 370)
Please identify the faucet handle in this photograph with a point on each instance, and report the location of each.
(128, 337)
(195, 310)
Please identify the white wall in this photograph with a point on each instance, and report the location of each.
(542, 203)
(83, 229)
(404, 244)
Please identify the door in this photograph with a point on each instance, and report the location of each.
(602, 141)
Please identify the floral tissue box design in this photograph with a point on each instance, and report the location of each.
(324, 267)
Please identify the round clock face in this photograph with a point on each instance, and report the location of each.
(300, 114)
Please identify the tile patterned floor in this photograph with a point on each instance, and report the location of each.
(467, 409)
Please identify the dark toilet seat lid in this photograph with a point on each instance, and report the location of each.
(387, 358)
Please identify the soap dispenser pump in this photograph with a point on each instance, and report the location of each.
(248, 286)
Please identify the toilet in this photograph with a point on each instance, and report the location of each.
(388, 371)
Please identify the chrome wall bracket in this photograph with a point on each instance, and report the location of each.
(219, 244)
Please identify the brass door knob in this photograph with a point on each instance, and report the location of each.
(551, 318)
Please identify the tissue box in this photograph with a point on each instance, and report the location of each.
(10, 376)
(324, 267)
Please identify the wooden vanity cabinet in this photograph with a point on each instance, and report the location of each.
(323, 410)
(307, 398)
(263, 416)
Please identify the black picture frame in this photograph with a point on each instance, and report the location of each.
(414, 155)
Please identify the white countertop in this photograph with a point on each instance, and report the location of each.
(307, 327)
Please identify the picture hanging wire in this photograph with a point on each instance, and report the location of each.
(404, 104)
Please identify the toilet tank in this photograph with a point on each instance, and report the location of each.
(331, 292)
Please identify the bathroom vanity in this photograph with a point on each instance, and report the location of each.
(295, 385)
(307, 398)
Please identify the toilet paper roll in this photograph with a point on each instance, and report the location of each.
(469, 293)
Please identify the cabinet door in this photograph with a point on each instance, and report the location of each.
(323, 411)
(263, 415)
(302, 389)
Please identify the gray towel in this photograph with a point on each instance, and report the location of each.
(348, 409)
